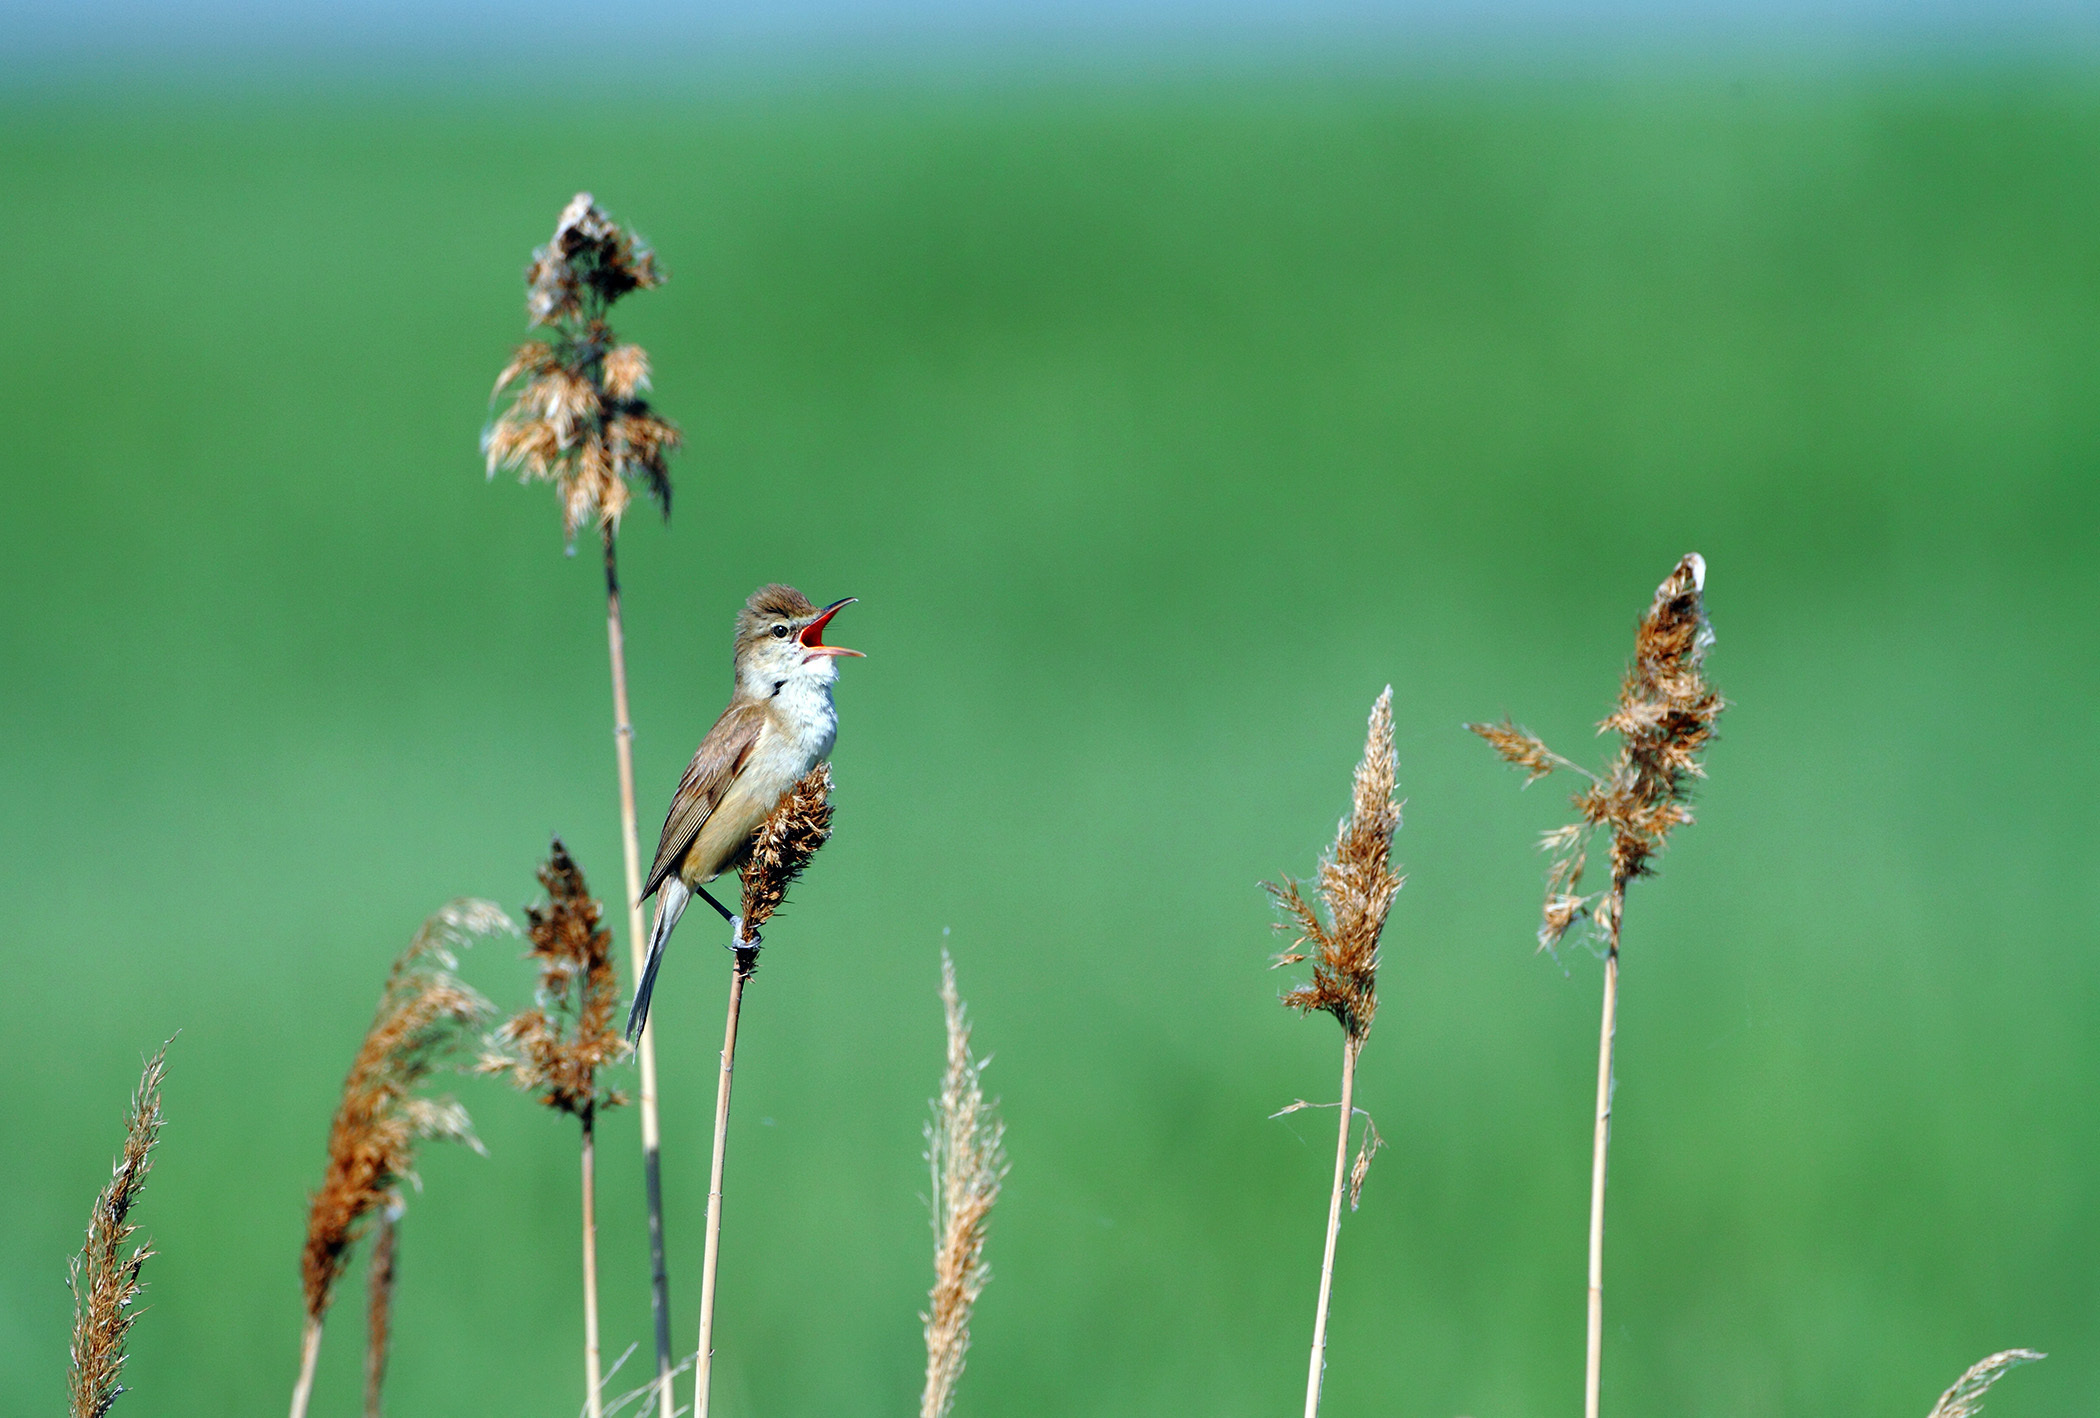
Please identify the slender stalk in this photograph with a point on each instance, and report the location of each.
(645, 1047)
(1593, 1377)
(703, 1363)
(1351, 1047)
(309, 1356)
(379, 1308)
(594, 1382)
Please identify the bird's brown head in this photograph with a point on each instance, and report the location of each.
(780, 636)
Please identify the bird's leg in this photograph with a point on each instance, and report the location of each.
(741, 940)
(723, 911)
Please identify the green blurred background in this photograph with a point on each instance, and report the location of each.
(1158, 422)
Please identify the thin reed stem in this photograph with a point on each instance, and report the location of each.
(379, 1308)
(1351, 1047)
(703, 1362)
(1593, 1373)
(309, 1357)
(638, 951)
(593, 1380)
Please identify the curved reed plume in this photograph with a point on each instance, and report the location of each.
(1965, 1399)
(105, 1280)
(1665, 720)
(578, 420)
(966, 1154)
(555, 1048)
(1357, 885)
(424, 1015)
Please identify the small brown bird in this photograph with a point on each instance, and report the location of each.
(780, 724)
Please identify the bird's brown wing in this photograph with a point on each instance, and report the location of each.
(721, 757)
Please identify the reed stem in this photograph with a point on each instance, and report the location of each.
(1593, 1377)
(638, 952)
(1351, 1047)
(594, 1382)
(379, 1308)
(703, 1362)
(309, 1358)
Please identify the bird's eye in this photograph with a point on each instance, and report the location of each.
(780, 632)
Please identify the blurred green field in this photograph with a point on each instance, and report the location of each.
(1157, 425)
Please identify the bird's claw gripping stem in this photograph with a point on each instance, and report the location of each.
(738, 940)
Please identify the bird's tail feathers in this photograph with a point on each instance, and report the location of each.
(671, 899)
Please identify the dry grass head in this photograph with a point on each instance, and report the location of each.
(966, 1154)
(784, 844)
(424, 1015)
(1357, 885)
(1665, 720)
(555, 1048)
(578, 418)
(105, 1279)
(1965, 1399)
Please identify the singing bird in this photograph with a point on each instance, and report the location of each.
(780, 724)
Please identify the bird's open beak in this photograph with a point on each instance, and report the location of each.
(812, 636)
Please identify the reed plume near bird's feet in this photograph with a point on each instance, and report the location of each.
(105, 1278)
(1357, 886)
(555, 1048)
(966, 1154)
(425, 1016)
(578, 420)
(1665, 721)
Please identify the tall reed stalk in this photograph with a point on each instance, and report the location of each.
(425, 1014)
(779, 851)
(578, 420)
(1665, 720)
(105, 1279)
(1357, 886)
(555, 1049)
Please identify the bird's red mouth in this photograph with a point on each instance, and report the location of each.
(812, 636)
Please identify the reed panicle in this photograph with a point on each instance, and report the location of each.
(425, 1014)
(577, 417)
(1357, 886)
(556, 1048)
(780, 850)
(966, 1154)
(105, 1279)
(783, 846)
(1665, 719)
(1965, 1399)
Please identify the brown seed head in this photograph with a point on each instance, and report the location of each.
(966, 1154)
(577, 418)
(105, 1279)
(1965, 1399)
(784, 844)
(1665, 720)
(556, 1048)
(1357, 885)
(424, 1015)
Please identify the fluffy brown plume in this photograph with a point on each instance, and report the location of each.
(784, 845)
(1665, 720)
(105, 1279)
(556, 1048)
(1357, 885)
(424, 1015)
(968, 1161)
(578, 418)
(1965, 1399)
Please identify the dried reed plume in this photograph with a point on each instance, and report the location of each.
(424, 1015)
(1665, 720)
(105, 1279)
(965, 1154)
(578, 419)
(555, 1048)
(1965, 1399)
(1357, 885)
(779, 851)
